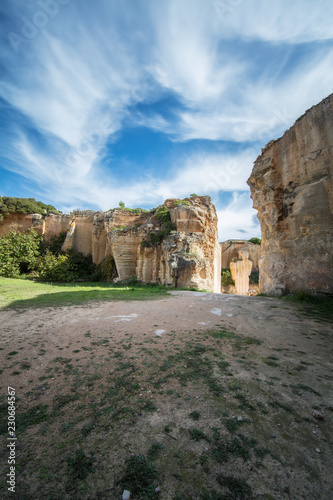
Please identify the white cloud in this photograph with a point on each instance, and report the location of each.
(238, 219)
(77, 81)
(293, 22)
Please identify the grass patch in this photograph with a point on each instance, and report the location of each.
(239, 446)
(139, 477)
(270, 362)
(239, 341)
(19, 293)
(197, 435)
(238, 489)
(317, 306)
(32, 416)
(79, 466)
(195, 415)
(154, 451)
(277, 405)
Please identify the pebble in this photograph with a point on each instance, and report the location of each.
(317, 414)
(239, 419)
(126, 495)
(158, 489)
(317, 450)
(273, 435)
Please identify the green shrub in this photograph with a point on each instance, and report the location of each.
(81, 265)
(65, 267)
(108, 269)
(23, 253)
(56, 242)
(137, 210)
(254, 277)
(164, 218)
(19, 253)
(55, 268)
(163, 215)
(226, 278)
(256, 241)
(181, 202)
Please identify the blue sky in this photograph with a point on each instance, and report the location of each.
(141, 100)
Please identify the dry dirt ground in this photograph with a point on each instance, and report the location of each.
(209, 396)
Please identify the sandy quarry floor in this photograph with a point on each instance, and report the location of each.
(272, 385)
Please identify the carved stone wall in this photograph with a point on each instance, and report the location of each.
(291, 187)
(240, 271)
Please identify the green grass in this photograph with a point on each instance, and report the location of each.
(140, 477)
(316, 306)
(237, 488)
(79, 466)
(19, 293)
(197, 434)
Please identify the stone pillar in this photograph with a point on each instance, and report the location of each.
(240, 271)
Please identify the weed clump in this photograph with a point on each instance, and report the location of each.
(195, 415)
(154, 450)
(79, 466)
(140, 477)
(238, 488)
(197, 435)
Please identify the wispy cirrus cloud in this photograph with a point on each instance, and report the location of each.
(239, 74)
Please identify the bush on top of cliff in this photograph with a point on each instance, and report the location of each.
(256, 241)
(185, 202)
(136, 210)
(163, 217)
(24, 206)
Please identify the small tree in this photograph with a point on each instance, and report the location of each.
(19, 253)
(122, 204)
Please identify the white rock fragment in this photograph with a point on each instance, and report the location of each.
(126, 495)
(216, 311)
(317, 414)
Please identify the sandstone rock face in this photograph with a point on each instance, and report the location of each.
(46, 226)
(291, 187)
(189, 256)
(20, 222)
(54, 224)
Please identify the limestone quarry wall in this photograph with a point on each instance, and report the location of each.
(291, 187)
(188, 257)
(46, 226)
(230, 248)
